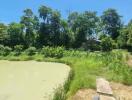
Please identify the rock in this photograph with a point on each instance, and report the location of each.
(103, 86)
(103, 97)
(96, 97)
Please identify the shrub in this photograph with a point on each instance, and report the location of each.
(18, 49)
(31, 51)
(53, 52)
(75, 53)
(107, 44)
(4, 51)
(1, 50)
(7, 50)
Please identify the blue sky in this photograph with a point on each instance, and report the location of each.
(11, 10)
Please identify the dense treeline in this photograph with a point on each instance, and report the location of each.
(85, 31)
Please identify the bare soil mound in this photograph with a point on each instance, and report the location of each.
(129, 62)
(84, 94)
(120, 91)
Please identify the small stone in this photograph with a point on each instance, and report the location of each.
(103, 86)
(103, 97)
(96, 97)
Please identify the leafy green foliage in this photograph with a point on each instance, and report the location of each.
(15, 32)
(53, 52)
(111, 23)
(107, 44)
(2, 50)
(31, 24)
(18, 49)
(84, 26)
(7, 50)
(31, 51)
(125, 38)
(79, 31)
(4, 37)
(45, 14)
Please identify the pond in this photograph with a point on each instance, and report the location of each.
(30, 80)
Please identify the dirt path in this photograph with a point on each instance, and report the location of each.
(30, 80)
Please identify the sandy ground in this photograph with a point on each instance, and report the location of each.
(84, 94)
(121, 92)
(30, 80)
(129, 62)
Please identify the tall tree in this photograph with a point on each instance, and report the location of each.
(84, 27)
(31, 23)
(111, 23)
(16, 35)
(4, 37)
(66, 36)
(50, 28)
(125, 37)
(71, 18)
(55, 28)
(45, 14)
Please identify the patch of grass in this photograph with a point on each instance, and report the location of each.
(61, 92)
(85, 73)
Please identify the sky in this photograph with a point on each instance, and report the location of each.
(12, 10)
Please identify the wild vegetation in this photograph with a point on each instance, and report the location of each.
(86, 66)
(51, 38)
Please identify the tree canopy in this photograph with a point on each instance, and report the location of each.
(85, 30)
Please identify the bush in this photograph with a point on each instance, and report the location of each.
(1, 50)
(18, 49)
(53, 52)
(91, 44)
(31, 51)
(107, 44)
(4, 51)
(7, 50)
(75, 53)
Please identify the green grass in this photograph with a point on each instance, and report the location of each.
(86, 67)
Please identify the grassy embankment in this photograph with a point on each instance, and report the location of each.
(86, 67)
